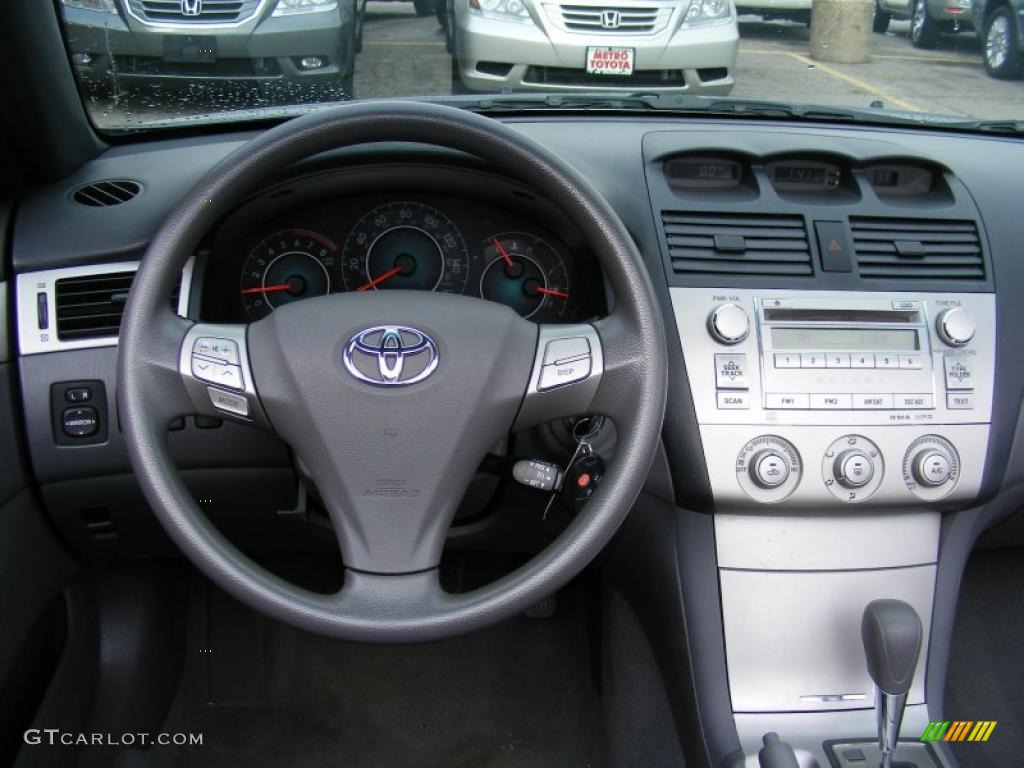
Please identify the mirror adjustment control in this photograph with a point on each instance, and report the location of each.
(728, 324)
(79, 412)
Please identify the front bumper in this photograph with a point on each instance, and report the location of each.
(494, 55)
(263, 49)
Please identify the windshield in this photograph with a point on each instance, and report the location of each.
(157, 63)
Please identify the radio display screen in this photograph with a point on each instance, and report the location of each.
(846, 339)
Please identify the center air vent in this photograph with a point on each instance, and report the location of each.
(90, 306)
(917, 249)
(736, 244)
(102, 194)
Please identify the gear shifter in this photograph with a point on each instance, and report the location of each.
(891, 631)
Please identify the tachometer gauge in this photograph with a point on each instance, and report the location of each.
(526, 273)
(405, 246)
(287, 266)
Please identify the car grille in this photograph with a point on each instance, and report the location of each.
(654, 78)
(627, 20)
(210, 11)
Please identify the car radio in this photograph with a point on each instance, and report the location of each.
(885, 393)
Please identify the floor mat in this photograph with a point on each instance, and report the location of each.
(986, 677)
(511, 696)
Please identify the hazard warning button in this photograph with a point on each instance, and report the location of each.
(834, 246)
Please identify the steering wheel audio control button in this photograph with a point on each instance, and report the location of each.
(558, 375)
(228, 401)
(560, 351)
(229, 376)
(222, 350)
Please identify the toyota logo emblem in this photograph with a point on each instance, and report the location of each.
(391, 355)
(610, 19)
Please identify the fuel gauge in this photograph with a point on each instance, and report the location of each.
(526, 273)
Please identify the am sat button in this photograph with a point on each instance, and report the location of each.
(555, 375)
(80, 422)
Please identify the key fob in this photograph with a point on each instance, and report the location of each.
(582, 480)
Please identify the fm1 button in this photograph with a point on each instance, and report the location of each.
(558, 375)
(80, 422)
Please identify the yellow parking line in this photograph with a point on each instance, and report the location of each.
(933, 59)
(856, 82)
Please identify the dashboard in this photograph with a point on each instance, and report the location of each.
(478, 236)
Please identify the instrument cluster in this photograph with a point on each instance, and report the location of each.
(414, 242)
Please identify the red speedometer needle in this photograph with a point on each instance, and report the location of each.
(380, 279)
(267, 289)
(552, 292)
(501, 249)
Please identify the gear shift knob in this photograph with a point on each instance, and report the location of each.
(891, 631)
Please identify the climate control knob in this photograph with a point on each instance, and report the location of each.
(955, 326)
(932, 467)
(769, 469)
(853, 469)
(728, 324)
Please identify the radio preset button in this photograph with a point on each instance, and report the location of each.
(911, 362)
(956, 326)
(864, 402)
(960, 401)
(838, 402)
(731, 371)
(887, 361)
(812, 360)
(729, 324)
(915, 402)
(837, 360)
(787, 360)
(859, 360)
(787, 401)
(735, 401)
(959, 373)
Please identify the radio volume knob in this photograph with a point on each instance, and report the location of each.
(956, 326)
(729, 324)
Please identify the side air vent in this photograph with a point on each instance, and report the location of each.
(102, 194)
(90, 307)
(736, 244)
(917, 249)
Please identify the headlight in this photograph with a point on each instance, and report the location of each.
(501, 9)
(296, 7)
(105, 6)
(701, 11)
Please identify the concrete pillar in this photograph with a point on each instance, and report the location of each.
(841, 30)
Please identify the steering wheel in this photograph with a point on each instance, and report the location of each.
(391, 399)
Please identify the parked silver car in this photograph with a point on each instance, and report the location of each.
(651, 45)
(928, 18)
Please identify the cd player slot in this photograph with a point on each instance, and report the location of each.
(795, 315)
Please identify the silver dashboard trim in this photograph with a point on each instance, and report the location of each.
(34, 341)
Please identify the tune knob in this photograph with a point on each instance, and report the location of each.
(729, 324)
(853, 469)
(956, 326)
(932, 467)
(769, 469)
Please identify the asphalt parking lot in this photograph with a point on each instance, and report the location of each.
(404, 55)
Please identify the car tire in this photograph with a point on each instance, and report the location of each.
(458, 87)
(424, 7)
(1002, 57)
(441, 13)
(447, 8)
(880, 24)
(924, 30)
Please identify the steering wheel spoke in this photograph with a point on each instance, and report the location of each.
(214, 366)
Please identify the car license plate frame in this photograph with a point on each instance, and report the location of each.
(610, 60)
(190, 49)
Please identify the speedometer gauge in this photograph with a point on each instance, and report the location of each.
(405, 245)
(287, 266)
(525, 273)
